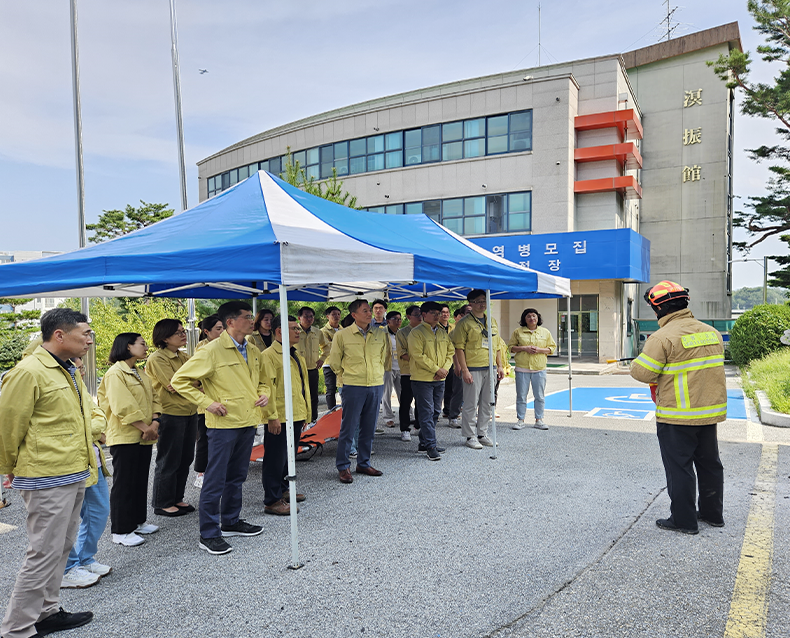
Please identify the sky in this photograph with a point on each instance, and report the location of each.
(270, 63)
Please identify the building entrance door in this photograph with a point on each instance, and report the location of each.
(583, 324)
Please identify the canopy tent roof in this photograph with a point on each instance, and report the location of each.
(264, 232)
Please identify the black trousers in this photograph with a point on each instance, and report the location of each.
(454, 396)
(129, 493)
(685, 448)
(406, 399)
(330, 380)
(174, 453)
(201, 445)
(275, 463)
(312, 378)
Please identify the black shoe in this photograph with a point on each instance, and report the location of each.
(241, 528)
(215, 545)
(710, 522)
(187, 509)
(63, 620)
(179, 512)
(433, 454)
(666, 523)
(422, 448)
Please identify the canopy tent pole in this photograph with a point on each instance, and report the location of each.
(491, 378)
(289, 425)
(192, 335)
(570, 367)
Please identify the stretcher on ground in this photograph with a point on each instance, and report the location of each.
(327, 428)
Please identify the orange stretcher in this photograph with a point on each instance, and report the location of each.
(327, 428)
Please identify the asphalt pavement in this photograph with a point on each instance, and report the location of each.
(555, 537)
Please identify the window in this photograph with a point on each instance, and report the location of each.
(446, 142)
(506, 212)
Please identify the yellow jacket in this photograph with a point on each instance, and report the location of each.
(160, 368)
(127, 399)
(361, 360)
(468, 336)
(402, 343)
(309, 345)
(273, 357)
(44, 431)
(328, 332)
(31, 347)
(540, 337)
(429, 351)
(505, 352)
(257, 340)
(686, 359)
(98, 427)
(227, 379)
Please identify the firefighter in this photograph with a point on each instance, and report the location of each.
(684, 360)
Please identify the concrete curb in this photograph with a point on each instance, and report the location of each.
(768, 416)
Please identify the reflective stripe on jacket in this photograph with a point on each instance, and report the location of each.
(686, 359)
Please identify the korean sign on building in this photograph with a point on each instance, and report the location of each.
(596, 254)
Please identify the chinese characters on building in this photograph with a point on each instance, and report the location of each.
(692, 135)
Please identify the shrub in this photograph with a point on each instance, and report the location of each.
(12, 344)
(770, 375)
(756, 333)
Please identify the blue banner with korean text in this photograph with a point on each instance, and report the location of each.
(593, 254)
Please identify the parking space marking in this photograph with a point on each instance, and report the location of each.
(749, 606)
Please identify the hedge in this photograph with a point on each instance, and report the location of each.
(756, 333)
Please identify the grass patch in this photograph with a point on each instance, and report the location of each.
(771, 374)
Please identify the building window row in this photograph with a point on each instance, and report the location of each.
(464, 139)
(481, 215)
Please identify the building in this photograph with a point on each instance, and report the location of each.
(611, 171)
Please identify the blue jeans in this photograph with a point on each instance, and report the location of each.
(428, 399)
(94, 514)
(228, 462)
(360, 413)
(538, 381)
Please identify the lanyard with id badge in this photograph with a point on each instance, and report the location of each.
(483, 333)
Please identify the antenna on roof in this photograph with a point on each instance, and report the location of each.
(539, 45)
(671, 25)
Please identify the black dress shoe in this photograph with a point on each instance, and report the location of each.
(63, 620)
(710, 521)
(179, 512)
(666, 523)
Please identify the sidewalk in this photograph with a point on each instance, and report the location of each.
(554, 538)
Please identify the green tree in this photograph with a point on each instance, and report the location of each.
(769, 214)
(16, 329)
(748, 298)
(331, 188)
(115, 223)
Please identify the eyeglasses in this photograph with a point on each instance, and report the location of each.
(246, 317)
(478, 301)
(181, 333)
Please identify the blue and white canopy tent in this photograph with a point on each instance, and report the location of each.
(265, 237)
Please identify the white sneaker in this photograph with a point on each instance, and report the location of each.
(474, 444)
(540, 425)
(199, 481)
(78, 578)
(484, 440)
(147, 528)
(97, 568)
(352, 455)
(128, 540)
(405, 436)
(454, 423)
(520, 425)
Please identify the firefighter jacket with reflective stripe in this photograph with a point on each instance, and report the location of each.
(686, 359)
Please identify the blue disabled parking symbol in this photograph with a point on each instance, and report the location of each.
(627, 403)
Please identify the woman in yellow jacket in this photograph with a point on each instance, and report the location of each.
(531, 344)
(175, 447)
(132, 413)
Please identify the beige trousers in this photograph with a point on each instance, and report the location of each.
(53, 518)
(476, 413)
